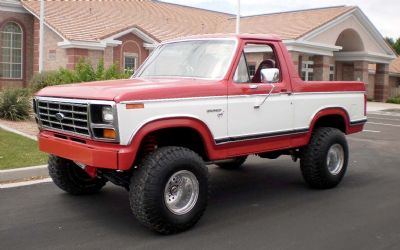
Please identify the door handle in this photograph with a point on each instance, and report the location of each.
(253, 86)
(285, 91)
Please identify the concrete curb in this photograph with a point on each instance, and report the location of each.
(23, 173)
(18, 132)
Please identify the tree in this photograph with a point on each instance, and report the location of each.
(395, 44)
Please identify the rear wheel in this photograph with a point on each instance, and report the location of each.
(234, 163)
(324, 161)
(71, 178)
(169, 191)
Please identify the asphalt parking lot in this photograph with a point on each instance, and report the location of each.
(264, 206)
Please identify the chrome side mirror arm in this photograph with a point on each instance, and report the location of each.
(265, 99)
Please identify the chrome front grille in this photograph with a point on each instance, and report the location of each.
(64, 116)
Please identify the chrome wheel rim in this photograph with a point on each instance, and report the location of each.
(181, 192)
(335, 159)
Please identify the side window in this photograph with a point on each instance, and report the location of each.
(242, 73)
(252, 69)
(261, 56)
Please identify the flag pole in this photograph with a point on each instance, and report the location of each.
(238, 18)
(41, 37)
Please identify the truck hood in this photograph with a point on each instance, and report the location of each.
(136, 89)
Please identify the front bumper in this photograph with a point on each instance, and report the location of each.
(91, 153)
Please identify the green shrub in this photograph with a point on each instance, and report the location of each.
(45, 79)
(83, 72)
(15, 104)
(395, 100)
(100, 70)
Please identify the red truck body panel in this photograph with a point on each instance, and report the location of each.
(106, 155)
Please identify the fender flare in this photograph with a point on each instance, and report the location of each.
(172, 122)
(331, 111)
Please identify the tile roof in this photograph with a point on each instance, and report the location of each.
(394, 66)
(93, 20)
(293, 24)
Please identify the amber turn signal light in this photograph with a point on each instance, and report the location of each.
(135, 106)
(109, 133)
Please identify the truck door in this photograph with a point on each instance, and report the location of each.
(256, 109)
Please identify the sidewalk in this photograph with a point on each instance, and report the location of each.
(380, 106)
(25, 128)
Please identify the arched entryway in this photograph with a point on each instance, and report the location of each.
(351, 70)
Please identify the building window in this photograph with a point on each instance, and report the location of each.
(11, 51)
(252, 70)
(307, 70)
(332, 73)
(130, 61)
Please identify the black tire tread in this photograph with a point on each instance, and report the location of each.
(59, 172)
(312, 158)
(145, 181)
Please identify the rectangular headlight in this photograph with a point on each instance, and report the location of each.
(107, 114)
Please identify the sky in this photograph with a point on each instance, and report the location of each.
(384, 14)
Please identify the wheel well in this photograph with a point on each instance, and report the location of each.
(181, 136)
(333, 121)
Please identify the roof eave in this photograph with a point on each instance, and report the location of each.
(67, 44)
(365, 22)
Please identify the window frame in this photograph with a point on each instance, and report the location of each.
(307, 70)
(276, 59)
(255, 68)
(132, 55)
(22, 49)
(247, 69)
(332, 70)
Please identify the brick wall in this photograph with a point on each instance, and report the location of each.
(26, 22)
(108, 56)
(394, 83)
(381, 82)
(74, 55)
(371, 86)
(130, 44)
(54, 56)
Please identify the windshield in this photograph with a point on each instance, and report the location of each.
(196, 59)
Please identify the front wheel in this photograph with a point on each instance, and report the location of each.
(169, 191)
(71, 178)
(324, 161)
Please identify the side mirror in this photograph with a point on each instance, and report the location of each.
(270, 75)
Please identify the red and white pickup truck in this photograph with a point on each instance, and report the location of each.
(212, 99)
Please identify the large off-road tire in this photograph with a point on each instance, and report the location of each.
(71, 178)
(324, 161)
(169, 190)
(235, 163)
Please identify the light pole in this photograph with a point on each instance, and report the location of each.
(41, 37)
(238, 18)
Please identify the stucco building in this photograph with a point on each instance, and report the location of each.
(335, 43)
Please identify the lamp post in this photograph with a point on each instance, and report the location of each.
(41, 36)
(238, 18)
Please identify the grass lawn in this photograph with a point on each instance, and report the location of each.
(17, 151)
